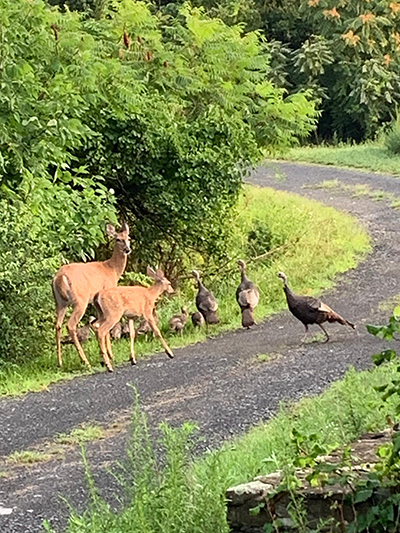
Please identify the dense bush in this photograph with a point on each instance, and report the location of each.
(166, 111)
(195, 109)
(392, 138)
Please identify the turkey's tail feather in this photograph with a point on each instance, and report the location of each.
(334, 317)
(247, 317)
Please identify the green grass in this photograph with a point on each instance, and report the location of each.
(78, 436)
(371, 156)
(29, 457)
(309, 241)
(189, 497)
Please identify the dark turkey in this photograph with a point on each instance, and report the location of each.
(197, 319)
(247, 296)
(83, 333)
(206, 302)
(310, 310)
(177, 322)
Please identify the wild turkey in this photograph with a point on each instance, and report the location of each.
(177, 322)
(310, 310)
(144, 326)
(197, 319)
(125, 330)
(83, 333)
(247, 296)
(206, 302)
(116, 331)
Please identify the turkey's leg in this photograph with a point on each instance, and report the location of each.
(306, 335)
(326, 333)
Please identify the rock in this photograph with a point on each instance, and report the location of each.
(252, 505)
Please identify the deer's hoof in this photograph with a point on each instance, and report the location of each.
(133, 362)
(103, 363)
(110, 369)
(170, 355)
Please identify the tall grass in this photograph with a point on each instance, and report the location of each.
(369, 156)
(177, 495)
(309, 241)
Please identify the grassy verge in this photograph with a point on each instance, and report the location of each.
(367, 156)
(309, 241)
(189, 497)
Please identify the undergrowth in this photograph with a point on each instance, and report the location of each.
(179, 494)
(370, 156)
(309, 241)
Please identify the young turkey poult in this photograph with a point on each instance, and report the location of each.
(197, 319)
(247, 297)
(310, 310)
(83, 333)
(206, 302)
(177, 322)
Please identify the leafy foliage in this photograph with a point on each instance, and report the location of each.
(165, 112)
(392, 138)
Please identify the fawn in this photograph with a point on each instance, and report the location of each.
(130, 302)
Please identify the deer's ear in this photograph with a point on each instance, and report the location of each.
(125, 228)
(111, 231)
(151, 273)
(160, 273)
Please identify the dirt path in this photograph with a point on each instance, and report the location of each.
(217, 383)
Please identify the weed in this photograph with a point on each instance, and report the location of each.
(358, 191)
(267, 357)
(80, 435)
(390, 303)
(179, 495)
(318, 337)
(29, 457)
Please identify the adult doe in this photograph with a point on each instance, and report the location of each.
(77, 284)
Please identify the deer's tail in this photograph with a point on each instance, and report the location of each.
(62, 288)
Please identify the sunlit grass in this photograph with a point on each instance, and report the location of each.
(312, 244)
(371, 156)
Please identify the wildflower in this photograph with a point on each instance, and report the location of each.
(396, 37)
(333, 13)
(367, 17)
(351, 38)
(388, 59)
(395, 7)
(313, 3)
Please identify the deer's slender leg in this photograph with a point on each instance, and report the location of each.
(103, 351)
(154, 327)
(102, 331)
(108, 346)
(132, 337)
(326, 333)
(60, 310)
(73, 321)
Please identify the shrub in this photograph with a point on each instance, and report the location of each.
(392, 138)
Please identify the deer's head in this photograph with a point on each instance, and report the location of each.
(122, 239)
(159, 278)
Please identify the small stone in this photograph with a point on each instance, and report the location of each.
(255, 490)
(5, 511)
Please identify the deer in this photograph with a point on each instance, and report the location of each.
(131, 302)
(76, 285)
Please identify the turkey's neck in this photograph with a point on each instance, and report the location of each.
(244, 277)
(290, 296)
